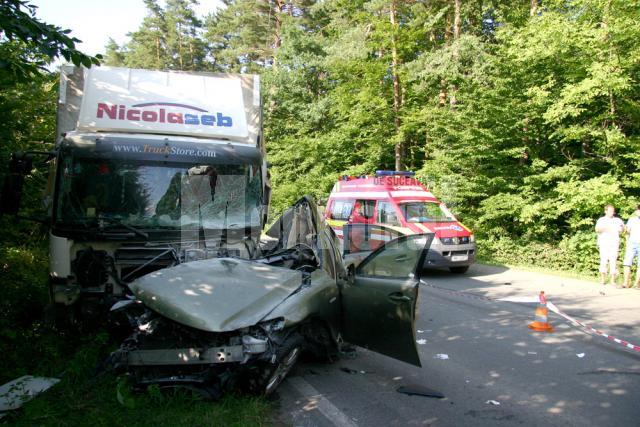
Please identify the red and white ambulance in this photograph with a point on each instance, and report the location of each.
(401, 205)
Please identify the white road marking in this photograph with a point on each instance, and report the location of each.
(317, 401)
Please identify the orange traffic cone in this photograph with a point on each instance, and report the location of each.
(541, 321)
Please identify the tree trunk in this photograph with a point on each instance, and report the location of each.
(453, 101)
(397, 96)
(158, 52)
(611, 51)
(180, 59)
(456, 19)
(277, 39)
(534, 8)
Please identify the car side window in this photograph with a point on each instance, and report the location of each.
(366, 237)
(387, 214)
(397, 259)
(341, 209)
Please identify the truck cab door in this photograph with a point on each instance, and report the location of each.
(380, 297)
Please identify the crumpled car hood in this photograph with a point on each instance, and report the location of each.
(216, 295)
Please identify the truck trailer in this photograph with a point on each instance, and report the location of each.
(150, 169)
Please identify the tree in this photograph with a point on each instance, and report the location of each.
(184, 47)
(40, 42)
(148, 45)
(114, 55)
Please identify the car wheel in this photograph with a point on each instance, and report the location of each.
(286, 357)
(459, 270)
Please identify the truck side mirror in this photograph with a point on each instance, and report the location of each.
(19, 166)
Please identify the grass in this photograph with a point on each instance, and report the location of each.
(83, 398)
(87, 398)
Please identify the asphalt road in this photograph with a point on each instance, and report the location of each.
(537, 378)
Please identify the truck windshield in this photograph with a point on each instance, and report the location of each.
(426, 212)
(148, 195)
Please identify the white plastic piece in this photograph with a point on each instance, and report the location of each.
(120, 304)
(421, 341)
(441, 356)
(492, 402)
(21, 390)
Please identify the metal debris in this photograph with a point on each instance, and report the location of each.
(416, 390)
(354, 371)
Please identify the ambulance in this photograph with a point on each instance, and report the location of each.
(394, 203)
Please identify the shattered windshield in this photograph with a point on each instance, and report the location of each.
(154, 194)
(295, 227)
(426, 212)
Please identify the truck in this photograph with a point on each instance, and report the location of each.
(150, 169)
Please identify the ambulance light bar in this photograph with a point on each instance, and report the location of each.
(394, 173)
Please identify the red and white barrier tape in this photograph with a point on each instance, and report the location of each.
(550, 305)
(593, 330)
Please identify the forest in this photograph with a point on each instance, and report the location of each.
(522, 115)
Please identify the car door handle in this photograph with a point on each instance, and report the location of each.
(399, 297)
(401, 258)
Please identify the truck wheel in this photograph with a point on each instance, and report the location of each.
(459, 270)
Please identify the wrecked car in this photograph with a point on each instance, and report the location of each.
(231, 322)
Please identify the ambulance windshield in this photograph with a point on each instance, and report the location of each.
(426, 212)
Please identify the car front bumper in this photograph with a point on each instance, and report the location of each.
(440, 255)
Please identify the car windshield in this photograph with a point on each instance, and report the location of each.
(426, 212)
(150, 194)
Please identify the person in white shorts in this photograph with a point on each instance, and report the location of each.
(608, 229)
(633, 248)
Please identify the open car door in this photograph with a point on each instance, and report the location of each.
(379, 299)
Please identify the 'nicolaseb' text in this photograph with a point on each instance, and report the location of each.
(121, 112)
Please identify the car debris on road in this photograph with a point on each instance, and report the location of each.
(16, 393)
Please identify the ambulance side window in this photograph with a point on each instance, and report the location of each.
(365, 209)
(387, 214)
(341, 209)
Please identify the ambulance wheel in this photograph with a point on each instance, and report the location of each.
(459, 270)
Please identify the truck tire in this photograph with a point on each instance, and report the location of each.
(459, 269)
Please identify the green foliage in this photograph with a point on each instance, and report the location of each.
(38, 42)
(169, 37)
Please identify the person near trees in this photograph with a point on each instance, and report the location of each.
(633, 248)
(608, 229)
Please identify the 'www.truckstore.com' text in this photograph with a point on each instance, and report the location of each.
(176, 151)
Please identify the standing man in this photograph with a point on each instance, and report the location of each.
(608, 229)
(633, 248)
